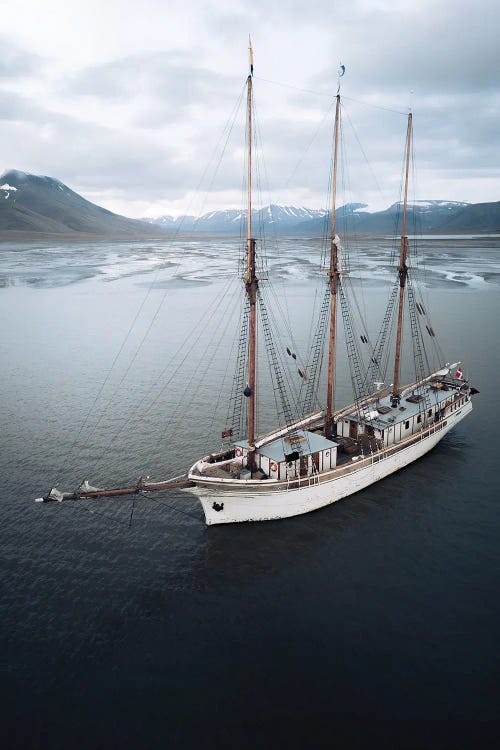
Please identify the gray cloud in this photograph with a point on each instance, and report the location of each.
(167, 83)
(144, 124)
(16, 62)
(450, 46)
(16, 107)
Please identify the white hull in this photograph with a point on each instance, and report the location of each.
(268, 501)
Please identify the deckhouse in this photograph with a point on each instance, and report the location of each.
(302, 453)
(386, 424)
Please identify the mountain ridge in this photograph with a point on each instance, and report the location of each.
(436, 216)
(36, 205)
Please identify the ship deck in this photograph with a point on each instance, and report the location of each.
(352, 453)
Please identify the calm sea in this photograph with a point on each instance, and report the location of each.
(129, 624)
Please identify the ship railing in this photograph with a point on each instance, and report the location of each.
(296, 482)
(379, 455)
(374, 457)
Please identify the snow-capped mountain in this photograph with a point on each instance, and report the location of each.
(422, 216)
(427, 206)
(287, 216)
(281, 219)
(33, 204)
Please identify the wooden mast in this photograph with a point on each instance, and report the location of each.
(251, 282)
(333, 274)
(402, 271)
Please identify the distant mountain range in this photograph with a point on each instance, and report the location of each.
(281, 219)
(37, 205)
(422, 216)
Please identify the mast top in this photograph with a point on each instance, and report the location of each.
(250, 55)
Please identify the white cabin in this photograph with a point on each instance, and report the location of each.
(301, 454)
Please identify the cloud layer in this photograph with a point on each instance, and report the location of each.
(133, 105)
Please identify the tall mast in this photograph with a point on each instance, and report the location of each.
(402, 271)
(333, 274)
(251, 281)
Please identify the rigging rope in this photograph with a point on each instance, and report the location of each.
(235, 404)
(277, 374)
(177, 510)
(317, 354)
(229, 125)
(199, 328)
(329, 95)
(212, 346)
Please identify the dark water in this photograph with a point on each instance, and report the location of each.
(369, 623)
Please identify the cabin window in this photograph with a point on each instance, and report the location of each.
(407, 425)
(429, 413)
(419, 418)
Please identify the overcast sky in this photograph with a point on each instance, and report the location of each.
(126, 102)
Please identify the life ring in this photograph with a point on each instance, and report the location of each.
(273, 466)
(238, 451)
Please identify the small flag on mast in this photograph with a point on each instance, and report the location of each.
(459, 373)
(250, 50)
(339, 76)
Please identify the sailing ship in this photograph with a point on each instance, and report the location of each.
(321, 456)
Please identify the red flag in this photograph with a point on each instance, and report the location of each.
(458, 373)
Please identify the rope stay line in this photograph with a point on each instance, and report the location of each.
(176, 275)
(356, 368)
(289, 374)
(311, 385)
(285, 414)
(328, 94)
(190, 337)
(236, 413)
(229, 127)
(212, 346)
